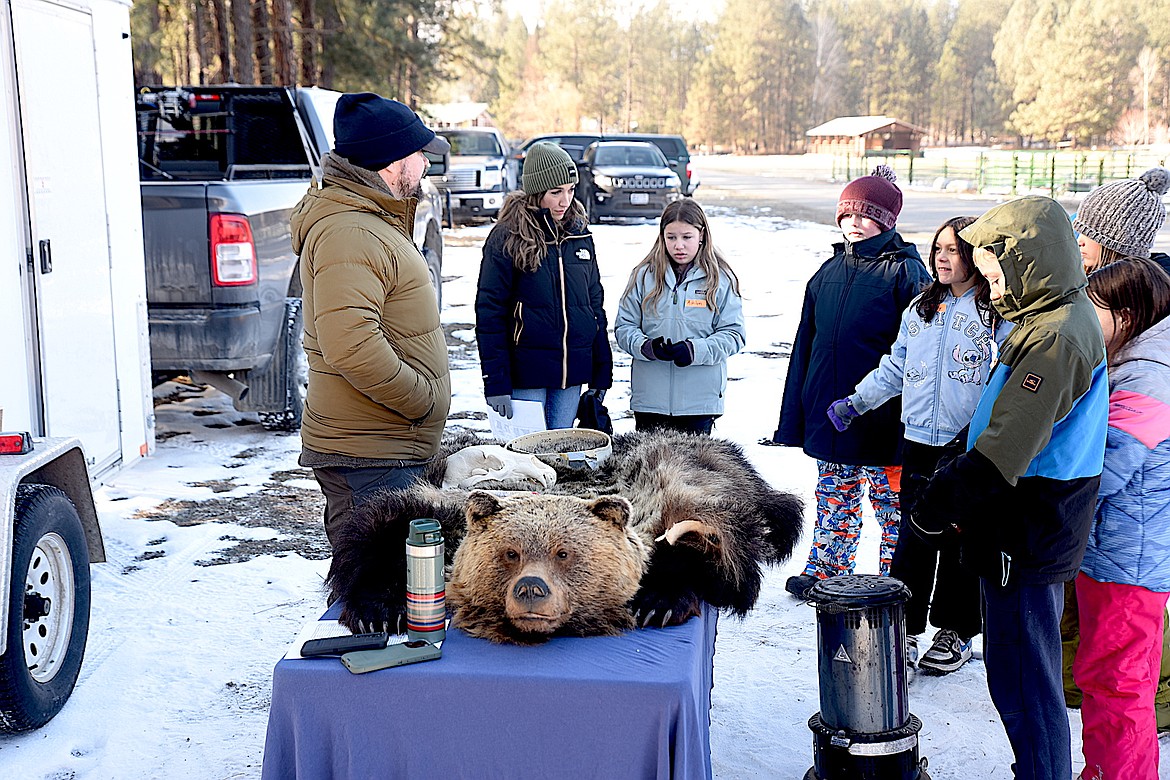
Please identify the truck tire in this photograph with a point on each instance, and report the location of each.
(48, 616)
(287, 376)
(591, 212)
(434, 268)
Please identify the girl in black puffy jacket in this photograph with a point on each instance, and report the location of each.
(539, 318)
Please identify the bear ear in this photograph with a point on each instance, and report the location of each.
(481, 505)
(612, 509)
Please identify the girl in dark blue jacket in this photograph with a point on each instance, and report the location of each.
(852, 309)
(539, 317)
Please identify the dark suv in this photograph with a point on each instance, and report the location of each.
(625, 179)
(674, 147)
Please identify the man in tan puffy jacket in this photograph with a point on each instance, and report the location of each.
(379, 383)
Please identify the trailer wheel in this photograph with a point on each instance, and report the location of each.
(48, 616)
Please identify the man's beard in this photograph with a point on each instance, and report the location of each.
(399, 191)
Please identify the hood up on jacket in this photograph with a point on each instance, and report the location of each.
(1037, 250)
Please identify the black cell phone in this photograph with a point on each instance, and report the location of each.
(336, 645)
(393, 655)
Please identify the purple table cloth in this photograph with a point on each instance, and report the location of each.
(630, 706)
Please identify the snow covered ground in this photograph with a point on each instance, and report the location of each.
(177, 676)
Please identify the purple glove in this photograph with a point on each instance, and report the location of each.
(841, 413)
(648, 350)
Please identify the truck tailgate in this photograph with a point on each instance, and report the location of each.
(174, 231)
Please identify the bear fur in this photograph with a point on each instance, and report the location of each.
(705, 519)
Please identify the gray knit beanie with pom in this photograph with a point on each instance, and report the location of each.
(1125, 215)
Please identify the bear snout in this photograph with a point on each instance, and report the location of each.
(530, 590)
(534, 604)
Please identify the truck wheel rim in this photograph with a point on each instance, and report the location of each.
(48, 607)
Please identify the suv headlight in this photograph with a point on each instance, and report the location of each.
(491, 178)
(602, 181)
(673, 181)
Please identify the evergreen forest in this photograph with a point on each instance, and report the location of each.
(747, 75)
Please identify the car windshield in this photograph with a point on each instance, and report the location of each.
(645, 156)
(473, 143)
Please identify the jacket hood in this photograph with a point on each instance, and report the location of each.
(1152, 346)
(1037, 251)
(342, 193)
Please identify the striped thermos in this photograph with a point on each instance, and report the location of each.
(426, 593)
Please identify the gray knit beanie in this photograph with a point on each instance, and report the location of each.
(546, 166)
(1125, 215)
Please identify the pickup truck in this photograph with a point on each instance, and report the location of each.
(479, 176)
(221, 168)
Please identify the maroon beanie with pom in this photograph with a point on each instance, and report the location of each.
(874, 196)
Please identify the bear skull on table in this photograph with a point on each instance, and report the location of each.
(669, 521)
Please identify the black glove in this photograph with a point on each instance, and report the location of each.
(661, 349)
(502, 404)
(961, 489)
(591, 392)
(682, 353)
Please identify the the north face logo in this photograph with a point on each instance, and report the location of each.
(582, 254)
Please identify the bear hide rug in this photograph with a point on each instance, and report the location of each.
(667, 522)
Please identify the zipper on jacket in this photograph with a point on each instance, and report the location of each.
(564, 317)
(518, 323)
(939, 359)
(852, 264)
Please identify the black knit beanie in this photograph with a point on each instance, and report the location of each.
(372, 131)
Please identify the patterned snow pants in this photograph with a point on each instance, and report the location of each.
(838, 528)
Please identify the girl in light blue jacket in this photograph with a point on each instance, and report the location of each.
(1124, 581)
(680, 318)
(945, 350)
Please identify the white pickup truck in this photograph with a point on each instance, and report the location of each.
(479, 176)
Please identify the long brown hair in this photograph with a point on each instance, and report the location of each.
(937, 292)
(527, 240)
(708, 258)
(1136, 291)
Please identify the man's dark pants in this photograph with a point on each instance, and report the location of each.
(1021, 649)
(346, 488)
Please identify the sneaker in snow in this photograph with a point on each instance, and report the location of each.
(800, 584)
(947, 654)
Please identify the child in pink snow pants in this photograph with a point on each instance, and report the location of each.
(1124, 580)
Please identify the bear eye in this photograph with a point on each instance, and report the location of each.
(562, 554)
(512, 555)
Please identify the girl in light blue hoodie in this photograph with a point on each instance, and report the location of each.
(680, 318)
(946, 348)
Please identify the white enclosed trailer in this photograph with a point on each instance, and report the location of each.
(74, 362)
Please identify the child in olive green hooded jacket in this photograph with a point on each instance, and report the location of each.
(1021, 498)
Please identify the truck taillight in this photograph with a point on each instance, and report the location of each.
(689, 174)
(233, 252)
